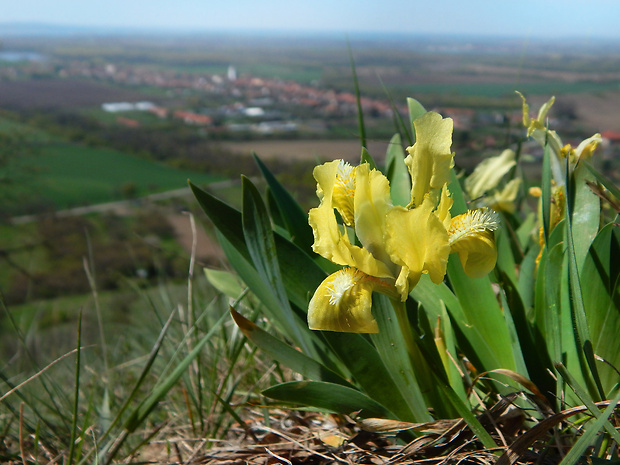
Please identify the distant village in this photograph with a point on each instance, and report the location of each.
(256, 105)
(253, 104)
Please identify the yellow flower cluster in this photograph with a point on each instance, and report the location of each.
(487, 175)
(537, 129)
(385, 247)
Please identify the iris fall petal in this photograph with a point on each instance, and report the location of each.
(471, 236)
(342, 303)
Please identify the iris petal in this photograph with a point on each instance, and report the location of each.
(417, 240)
(330, 240)
(430, 159)
(488, 173)
(372, 202)
(477, 254)
(343, 303)
(471, 236)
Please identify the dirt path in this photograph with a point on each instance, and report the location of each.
(207, 249)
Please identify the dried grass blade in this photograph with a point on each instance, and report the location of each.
(520, 446)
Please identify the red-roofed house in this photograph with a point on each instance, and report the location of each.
(193, 118)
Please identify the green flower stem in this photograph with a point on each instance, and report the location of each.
(421, 368)
(434, 384)
(405, 329)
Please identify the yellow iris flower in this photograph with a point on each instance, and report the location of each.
(556, 213)
(504, 200)
(487, 175)
(396, 244)
(537, 127)
(538, 130)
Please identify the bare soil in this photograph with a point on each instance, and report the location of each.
(61, 93)
(208, 250)
(309, 150)
(598, 112)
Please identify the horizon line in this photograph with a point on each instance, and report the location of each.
(29, 28)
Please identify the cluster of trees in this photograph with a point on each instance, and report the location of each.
(115, 248)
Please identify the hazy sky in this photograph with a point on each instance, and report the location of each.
(549, 18)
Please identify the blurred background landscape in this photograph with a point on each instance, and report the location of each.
(102, 130)
(101, 126)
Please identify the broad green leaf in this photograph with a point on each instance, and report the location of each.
(401, 357)
(433, 297)
(531, 358)
(368, 370)
(434, 364)
(516, 318)
(605, 181)
(601, 299)
(295, 218)
(571, 351)
(285, 354)
(279, 225)
(574, 255)
(415, 111)
(548, 319)
(586, 213)
(505, 258)
(366, 157)
(225, 282)
(224, 217)
(526, 282)
(480, 308)
(262, 248)
(478, 305)
(301, 274)
(328, 396)
(445, 401)
(276, 313)
(396, 171)
(450, 343)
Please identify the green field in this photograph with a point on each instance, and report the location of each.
(69, 175)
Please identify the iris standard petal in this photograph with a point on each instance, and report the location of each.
(344, 192)
(430, 159)
(540, 121)
(504, 200)
(331, 239)
(417, 239)
(488, 173)
(443, 209)
(336, 187)
(372, 202)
